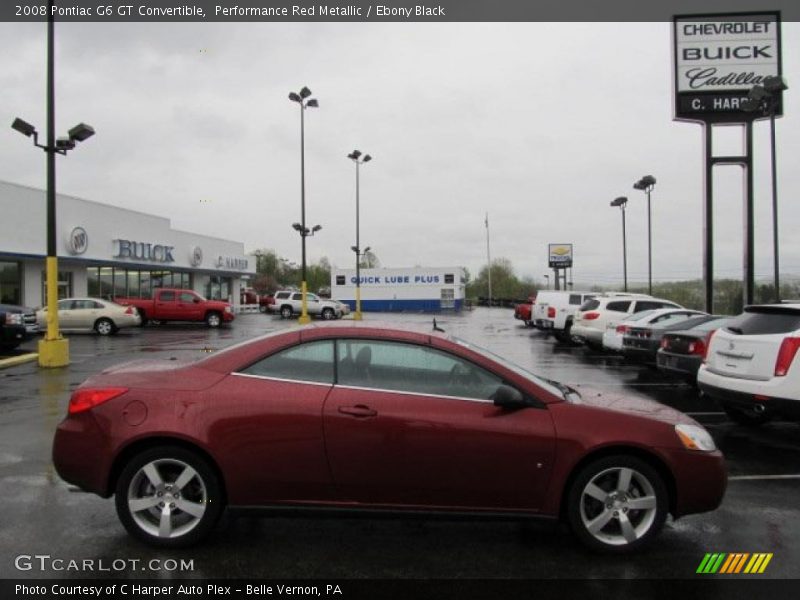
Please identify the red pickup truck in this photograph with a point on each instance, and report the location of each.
(524, 311)
(180, 305)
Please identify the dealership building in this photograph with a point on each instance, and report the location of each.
(410, 289)
(105, 252)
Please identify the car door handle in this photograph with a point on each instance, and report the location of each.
(359, 410)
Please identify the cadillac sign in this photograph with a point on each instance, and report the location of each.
(560, 255)
(717, 61)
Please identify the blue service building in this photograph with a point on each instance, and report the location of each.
(409, 289)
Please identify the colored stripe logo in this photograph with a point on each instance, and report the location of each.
(734, 563)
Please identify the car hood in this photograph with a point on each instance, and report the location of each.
(628, 404)
(156, 374)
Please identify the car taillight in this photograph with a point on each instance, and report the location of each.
(130, 311)
(665, 343)
(86, 399)
(551, 313)
(591, 316)
(708, 344)
(786, 354)
(698, 347)
(622, 329)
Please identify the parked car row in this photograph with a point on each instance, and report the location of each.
(743, 362)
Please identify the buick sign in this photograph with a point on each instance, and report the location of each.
(78, 241)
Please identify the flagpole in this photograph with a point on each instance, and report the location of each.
(488, 260)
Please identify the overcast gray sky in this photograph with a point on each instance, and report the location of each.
(541, 125)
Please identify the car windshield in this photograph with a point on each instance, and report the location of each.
(553, 387)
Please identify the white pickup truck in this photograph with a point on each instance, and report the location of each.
(553, 311)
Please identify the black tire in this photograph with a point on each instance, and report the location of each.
(328, 314)
(213, 319)
(746, 416)
(142, 316)
(202, 492)
(286, 311)
(104, 326)
(613, 511)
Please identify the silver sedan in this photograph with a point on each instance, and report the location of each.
(91, 314)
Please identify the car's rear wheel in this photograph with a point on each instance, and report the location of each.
(617, 504)
(328, 314)
(142, 316)
(746, 416)
(286, 312)
(213, 319)
(105, 326)
(168, 497)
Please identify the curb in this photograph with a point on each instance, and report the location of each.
(18, 360)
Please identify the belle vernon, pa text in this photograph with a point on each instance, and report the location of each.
(135, 589)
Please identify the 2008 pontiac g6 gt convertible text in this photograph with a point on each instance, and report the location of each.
(355, 416)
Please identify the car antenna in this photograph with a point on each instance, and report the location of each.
(435, 326)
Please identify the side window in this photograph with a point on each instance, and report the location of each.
(619, 306)
(166, 297)
(411, 368)
(297, 296)
(95, 304)
(449, 278)
(575, 299)
(281, 295)
(186, 297)
(307, 362)
(340, 280)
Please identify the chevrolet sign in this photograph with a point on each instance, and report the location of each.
(559, 255)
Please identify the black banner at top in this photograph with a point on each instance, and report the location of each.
(431, 11)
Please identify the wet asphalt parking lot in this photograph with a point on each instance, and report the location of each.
(41, 514)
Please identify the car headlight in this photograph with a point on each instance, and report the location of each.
(228, 309)
(14, 319)
(694, 437)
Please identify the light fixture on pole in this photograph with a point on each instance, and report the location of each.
(547, 279)
(53, 349)
(646, 184)
(766, 99)
(621, 202)
(357, 158)
(303, 100)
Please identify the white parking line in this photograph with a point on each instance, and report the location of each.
(761, 477)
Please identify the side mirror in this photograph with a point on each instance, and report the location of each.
(508, 397)
(196, 300)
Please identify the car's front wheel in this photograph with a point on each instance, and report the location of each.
(213, 319)
(617, 504)
(168, 497)
(328, 314)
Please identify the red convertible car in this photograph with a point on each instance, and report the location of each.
(357, 416)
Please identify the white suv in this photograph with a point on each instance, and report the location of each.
(606, 310)
(749, 367)
(289, 303)
(553, 311)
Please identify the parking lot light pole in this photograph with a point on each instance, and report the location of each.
(646, 184)
(356, 157)
(53, 349)
(766, 99)
(621, 202)
(302, 98)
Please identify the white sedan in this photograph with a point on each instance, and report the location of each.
(91, 314)
(612, 336)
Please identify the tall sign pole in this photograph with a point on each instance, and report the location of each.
(718, 59)
(488, 260)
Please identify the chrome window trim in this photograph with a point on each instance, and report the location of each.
(406, 393)
(363, 389)
(282, 379)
